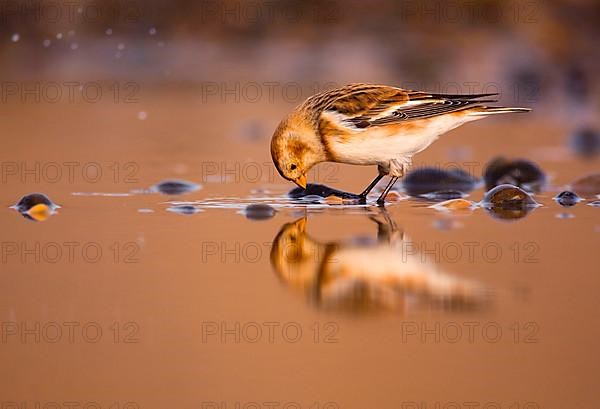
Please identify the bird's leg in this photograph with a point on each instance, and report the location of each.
(397, 169)
(363, 195)
(381, 200)
(383, 169)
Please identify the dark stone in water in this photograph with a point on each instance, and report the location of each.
(518, 172)
(586, 143)
(183, 209)
(567, 198)
(259, 211)
(36, 207)
(443, 195)
(175, 187)
(508, 202)
(313, 189)
(595, 203)
(30, 200)
(430, 180)
(587, 186)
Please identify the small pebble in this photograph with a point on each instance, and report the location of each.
(508, 202)
(184, 209)
(259, 211)
(175, 187)
(595, 203)
(508, 196)
(30, 200)
(394, 196)
(567, 198)
(518, 172)
(565, 216)
(36, 206)
(454, 204)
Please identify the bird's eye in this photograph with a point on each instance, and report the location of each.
(293, 166)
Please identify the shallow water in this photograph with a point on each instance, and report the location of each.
(116, 299)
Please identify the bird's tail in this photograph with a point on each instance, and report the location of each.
(485, 111)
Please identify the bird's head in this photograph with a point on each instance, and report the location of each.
(295, 149)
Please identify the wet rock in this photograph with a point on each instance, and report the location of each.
(595, 203)
(454, 204)
(184, 209)
(175, 187)
(322, 191)
(394, 196)
(36, 206)
(508, 202)
(518, 172)
(443, 195)
(585, 142)
(424, 181)
(508, 196)
(567, 198)
(587, 186)
(259, 211)
(33, 199)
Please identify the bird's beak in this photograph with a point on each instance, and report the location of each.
(301, 181)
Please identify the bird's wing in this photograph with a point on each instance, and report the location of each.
(362, 106)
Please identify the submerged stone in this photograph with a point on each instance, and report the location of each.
(175, 187)
(259, 211)
(587, 186)
(454, 204)
(322, 191)
(184, 209)
(33, 199)
(424, 181)
(567, 198)
(518, 172)
(36, 206)
(595, 203)
(508, 202)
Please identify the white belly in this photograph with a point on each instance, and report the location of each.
(377, 145)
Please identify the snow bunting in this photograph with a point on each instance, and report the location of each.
(365, 124)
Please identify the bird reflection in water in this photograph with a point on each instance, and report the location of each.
(368, 274)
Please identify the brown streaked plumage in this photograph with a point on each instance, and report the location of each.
(365, 124)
